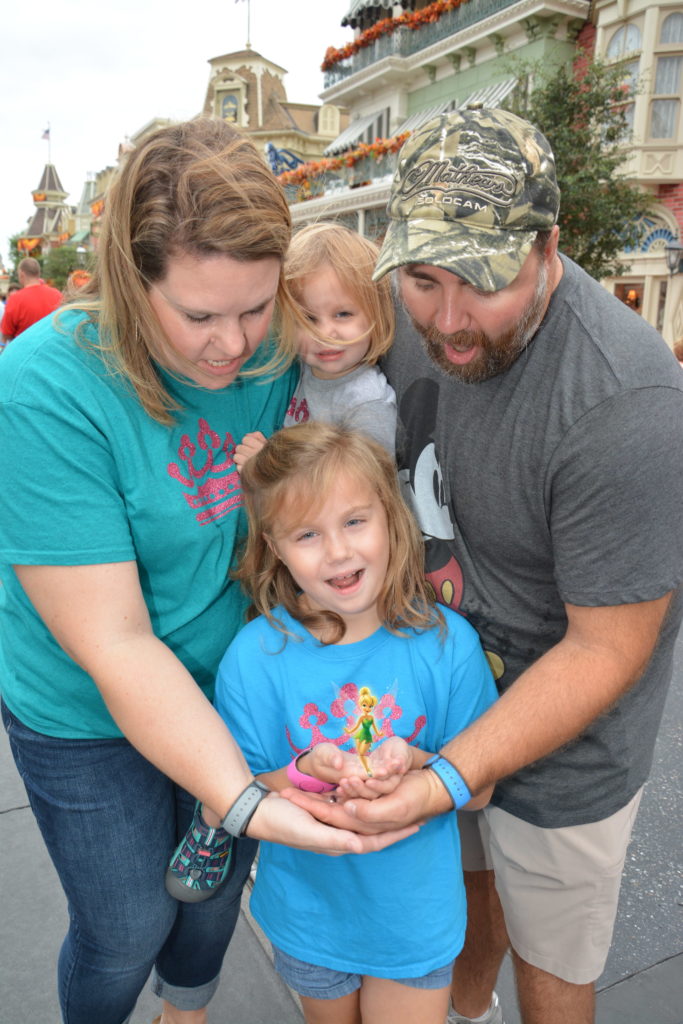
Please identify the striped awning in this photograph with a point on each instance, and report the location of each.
(358, 5)
(490, 95)
(421, 117)
(351, 134)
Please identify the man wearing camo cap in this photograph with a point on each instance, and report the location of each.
(540, 430)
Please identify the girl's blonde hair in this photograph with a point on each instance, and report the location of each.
(352, 258)
(197, 188)
(293, 472)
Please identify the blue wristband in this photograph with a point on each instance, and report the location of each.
(451, 778)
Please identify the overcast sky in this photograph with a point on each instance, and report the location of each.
(98, 72)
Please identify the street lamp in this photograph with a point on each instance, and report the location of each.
(673, 252)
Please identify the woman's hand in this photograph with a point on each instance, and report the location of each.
(280, 821)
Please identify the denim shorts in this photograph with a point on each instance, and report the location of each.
(325, 983)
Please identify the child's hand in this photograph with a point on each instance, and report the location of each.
(250, 445)
(389, 763)
(330, 764)
(393, 757)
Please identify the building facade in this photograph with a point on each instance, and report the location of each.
(412, 60)
(648, 39)
(247, 90)
(244, 89)
(52, 222)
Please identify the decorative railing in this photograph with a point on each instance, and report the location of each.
(326, 183)
(368, 163)
(395, 45)
(405, 41)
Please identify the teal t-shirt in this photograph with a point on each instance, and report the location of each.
(90, 478)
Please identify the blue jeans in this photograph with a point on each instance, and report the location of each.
(110, 821)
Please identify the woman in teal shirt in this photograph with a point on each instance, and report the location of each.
(119, 420)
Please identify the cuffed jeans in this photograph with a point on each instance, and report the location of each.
(110, 821)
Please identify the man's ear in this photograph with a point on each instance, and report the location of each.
(553, 242)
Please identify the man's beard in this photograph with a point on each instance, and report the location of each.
(495, 355)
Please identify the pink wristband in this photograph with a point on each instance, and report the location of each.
(308, 783)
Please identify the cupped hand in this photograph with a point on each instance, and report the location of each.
(389, 763)
(281, 821)
(330, 764)
(419, 796)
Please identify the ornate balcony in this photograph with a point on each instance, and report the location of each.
(405, 41)
(335, 183)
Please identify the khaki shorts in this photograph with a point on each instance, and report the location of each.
(559, 887)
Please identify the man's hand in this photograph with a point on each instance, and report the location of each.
(279, 821)
(419, 796)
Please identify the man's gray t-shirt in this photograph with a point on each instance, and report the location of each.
(557, 481)
(361, 400)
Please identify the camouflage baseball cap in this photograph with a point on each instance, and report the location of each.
(471, 190)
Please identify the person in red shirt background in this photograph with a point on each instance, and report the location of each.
(32, 302)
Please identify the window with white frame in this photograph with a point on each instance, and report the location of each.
(624, 41)
(623, 45)
(328, 120)
(665, 106)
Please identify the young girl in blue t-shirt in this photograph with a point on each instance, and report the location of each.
(348, 677)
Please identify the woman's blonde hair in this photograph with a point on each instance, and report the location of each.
(352, 258)
(197, 188)
(292, 473)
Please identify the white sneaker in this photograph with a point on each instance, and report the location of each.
(494, 1015)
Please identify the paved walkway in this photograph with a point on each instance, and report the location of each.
(642, 983)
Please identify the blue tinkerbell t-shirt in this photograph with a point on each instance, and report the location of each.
(400, 912)
(91, 478)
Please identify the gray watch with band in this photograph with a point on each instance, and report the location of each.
(242, 811)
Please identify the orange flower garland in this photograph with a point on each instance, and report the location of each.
(304, 174)
(386, 26)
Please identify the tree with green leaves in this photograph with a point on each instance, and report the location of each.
(59, 263)
(585, 119)
(16, 255)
